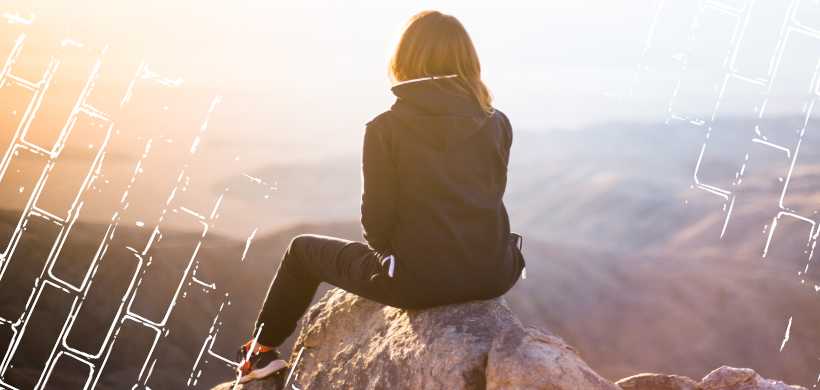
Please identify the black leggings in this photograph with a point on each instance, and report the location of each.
(311, 259)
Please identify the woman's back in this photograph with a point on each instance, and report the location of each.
(448, 162)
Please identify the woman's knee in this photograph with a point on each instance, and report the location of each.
(293, 261)
(297, 245)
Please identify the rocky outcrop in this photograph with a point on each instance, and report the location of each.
(348, 342)
(353, 343)
(657, 382)
(723, 378)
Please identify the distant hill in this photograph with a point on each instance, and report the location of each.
(625, 257)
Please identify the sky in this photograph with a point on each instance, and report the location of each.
(317, 69)
(540, 58)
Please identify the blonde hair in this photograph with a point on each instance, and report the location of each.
(435, 44)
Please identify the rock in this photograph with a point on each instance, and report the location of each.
(731, 378)
(657, 382)
(527, 358)
(348, 342)
(723, 378)
(353, 343)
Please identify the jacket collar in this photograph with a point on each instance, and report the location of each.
(436, 95)
(449, 76)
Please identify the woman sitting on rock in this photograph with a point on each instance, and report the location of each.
(434, 171)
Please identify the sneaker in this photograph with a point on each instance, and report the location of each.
(263, 362)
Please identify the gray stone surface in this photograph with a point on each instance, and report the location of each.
(353, 343)
(723, 378)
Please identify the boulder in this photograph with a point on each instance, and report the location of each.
(647, 381)
(731, 378)
(723, 378)
(349, 342)
(353, 343)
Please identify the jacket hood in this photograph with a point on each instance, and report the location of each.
(437, 111)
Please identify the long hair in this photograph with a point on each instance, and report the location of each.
(435, 44)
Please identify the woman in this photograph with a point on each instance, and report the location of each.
(434, 170)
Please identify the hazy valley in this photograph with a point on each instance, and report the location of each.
(625, 257)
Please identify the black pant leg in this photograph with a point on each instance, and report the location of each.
(308, 261)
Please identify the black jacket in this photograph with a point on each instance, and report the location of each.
(434, 171)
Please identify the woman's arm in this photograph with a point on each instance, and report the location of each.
(379, 187)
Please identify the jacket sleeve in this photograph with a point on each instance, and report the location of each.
(379, 190)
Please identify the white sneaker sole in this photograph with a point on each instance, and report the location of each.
(264, 372)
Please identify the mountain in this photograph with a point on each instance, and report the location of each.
(221, 316)
(626, 260)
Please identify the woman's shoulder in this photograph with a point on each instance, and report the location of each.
(378, 119)
(503, 124)
(383, 120)
(502, 117)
